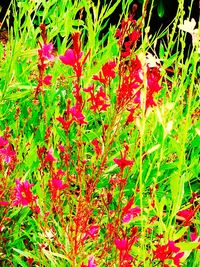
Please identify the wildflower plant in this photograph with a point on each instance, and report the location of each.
(99, 149)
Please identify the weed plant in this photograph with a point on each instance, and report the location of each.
(99, 138)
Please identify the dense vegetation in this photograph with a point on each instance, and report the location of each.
(99, 138)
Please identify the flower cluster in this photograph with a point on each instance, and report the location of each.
(168, 252)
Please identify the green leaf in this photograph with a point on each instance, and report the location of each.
(160, 9)
(180, 233)
(187, 246)
(168, 62)
(19, 261)
(161, 51)
(25, 253)
(111, 10)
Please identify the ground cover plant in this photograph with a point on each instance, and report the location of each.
(99, 138)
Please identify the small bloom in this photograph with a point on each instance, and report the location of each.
(121, 244)
(46, 52)
(49, 156)
(70, 57)
(91, 262)
(4, 203)
(152, 61)
(188, 26)
(97, 148)
(122, 163)
(77, 115)
(55, 186)
(47, 80)
(168, 252)
(22, 194)
(3, 142)
(7, 154)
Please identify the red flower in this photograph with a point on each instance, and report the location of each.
(49, 157)
(56, 185)
(107, 72)
(121, 244)
(22, 194)
(122, 163)
(98, 100)
(4, 203)
(97, 148)
(65, 124)
(187, 215)
(168, 252)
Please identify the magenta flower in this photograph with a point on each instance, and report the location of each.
(3, 142)
(47, 80)
(46, 52)
(77, 115)
(56, 185)
(134, 212)
(121, 244)
(70, 57)
(92, 232)
(7, 154)
(22, 194)
(91, 262)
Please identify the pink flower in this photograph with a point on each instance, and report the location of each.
(56, 184)
(91, 262)
(46, 52)
(187, 215)
(8, 154)
(3, 142)
(47, 80)
(134, 212)
(121, 244)
(70, 57)
(22, 193)
(77, 115)
(92, 232)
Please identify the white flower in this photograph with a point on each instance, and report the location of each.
(152, 61)
(188, 26)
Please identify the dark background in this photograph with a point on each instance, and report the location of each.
(164, 12)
